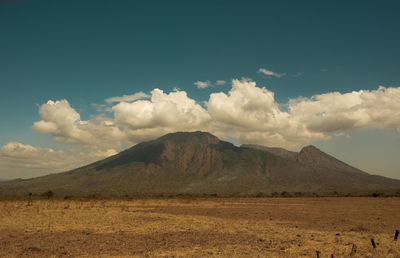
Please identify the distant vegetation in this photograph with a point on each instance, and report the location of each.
(49, 194)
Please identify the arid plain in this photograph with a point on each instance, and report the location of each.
(198, 227)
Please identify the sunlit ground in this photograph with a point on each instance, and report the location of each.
(245, 227)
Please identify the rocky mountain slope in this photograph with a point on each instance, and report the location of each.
(200, 163)
(309, 156)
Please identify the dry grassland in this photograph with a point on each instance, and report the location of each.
(218, 227)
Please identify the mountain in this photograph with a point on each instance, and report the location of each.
(200, 163)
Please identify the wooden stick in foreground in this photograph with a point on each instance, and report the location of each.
(353, 250)
(373, 243)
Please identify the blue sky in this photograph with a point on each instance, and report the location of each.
(88, 51)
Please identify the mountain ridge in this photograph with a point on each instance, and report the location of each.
(310, 156)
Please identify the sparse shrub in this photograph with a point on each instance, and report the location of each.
(29, 199)
(275, 194)
(376, 194)
(298, 194)
(49, 194)
(285, 194)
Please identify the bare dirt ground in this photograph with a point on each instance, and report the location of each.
(219, 227)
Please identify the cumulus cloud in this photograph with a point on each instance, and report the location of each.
(144, 119)
(241, 106)
(127, 98)
(202, 84)
(252, 115)
(334, 112)
(63, 122)
(220, 82)
(270, 73)
(19, 160)
(247, 112)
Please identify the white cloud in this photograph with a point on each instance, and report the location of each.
(202, 84)
(145, 119)
(251, 114)
(62, 121)
(271, 73)
(103, 153)
(247, 112)
(127, 98)
(19, 160)
(206, 84)
(336, 112)
(245, 105)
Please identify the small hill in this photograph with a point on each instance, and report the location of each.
(199, 163)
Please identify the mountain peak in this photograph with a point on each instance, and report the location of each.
(310, 148)
(314, 157)
(187, 134)
(189, 137)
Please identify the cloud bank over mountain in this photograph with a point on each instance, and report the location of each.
(247, 112)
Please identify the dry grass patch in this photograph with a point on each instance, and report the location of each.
(220, 227)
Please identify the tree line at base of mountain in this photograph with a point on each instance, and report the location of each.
(284, 194)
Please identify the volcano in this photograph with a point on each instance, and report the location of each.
(198, 163)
